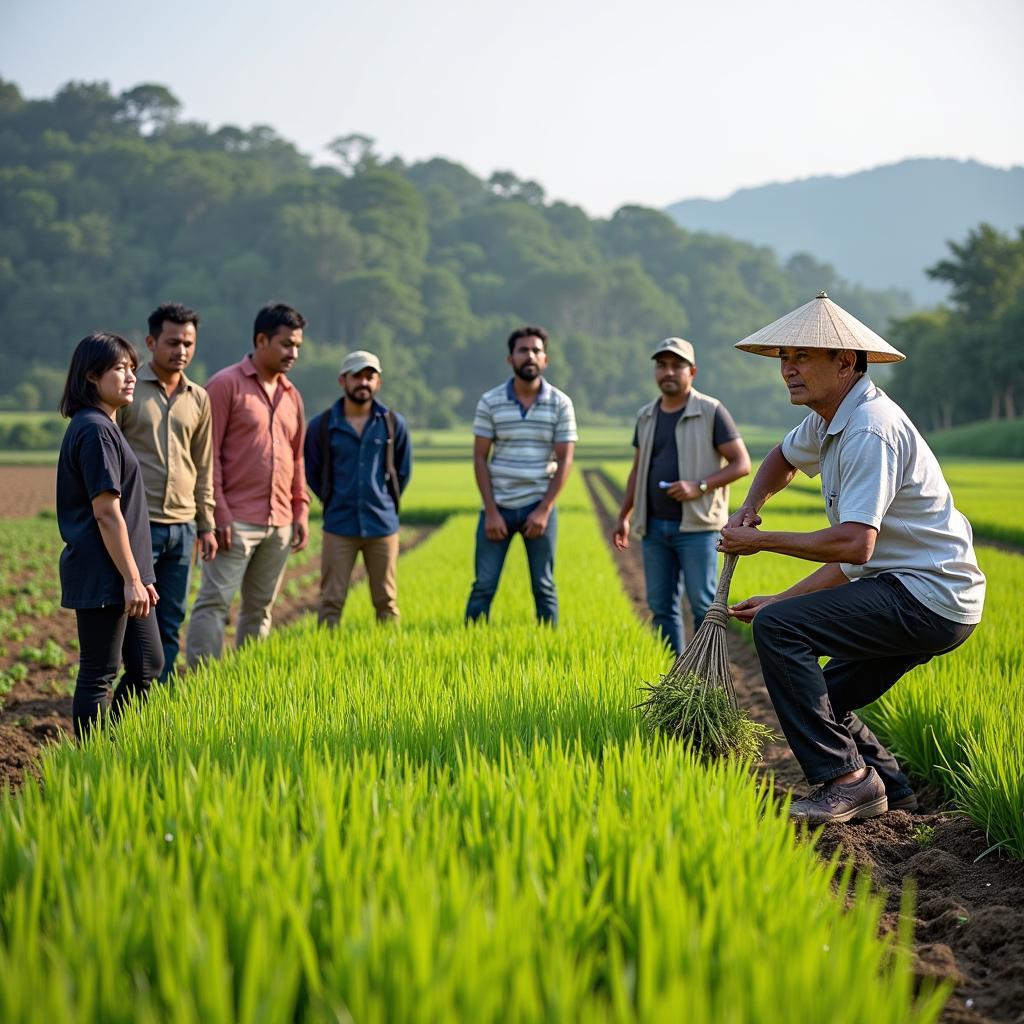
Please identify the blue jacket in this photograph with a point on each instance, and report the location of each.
(360, 504)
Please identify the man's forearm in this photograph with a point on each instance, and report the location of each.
(772, 476)
(729, 473)
(482, 472)
(629, 495)
(833, 544)
(203, 496)
(557, 482)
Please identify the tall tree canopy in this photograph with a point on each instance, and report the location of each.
(968, 361)
(111, 203)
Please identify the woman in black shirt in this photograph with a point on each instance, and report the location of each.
(106, 568)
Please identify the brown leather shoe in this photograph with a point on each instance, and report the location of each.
(834, 803)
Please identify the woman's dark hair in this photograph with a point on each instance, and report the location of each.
(94, 354)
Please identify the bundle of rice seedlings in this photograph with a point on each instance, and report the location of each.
(695, 700)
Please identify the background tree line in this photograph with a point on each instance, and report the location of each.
(967, 358)
(110, 203)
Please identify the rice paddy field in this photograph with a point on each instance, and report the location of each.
(959, 720)
(446, 823)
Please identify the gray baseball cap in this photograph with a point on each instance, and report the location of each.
(678, 347)
(359, 360)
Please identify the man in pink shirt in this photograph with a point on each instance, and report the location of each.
(262, 508)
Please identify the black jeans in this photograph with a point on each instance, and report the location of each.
(874, 631)
(105, 637)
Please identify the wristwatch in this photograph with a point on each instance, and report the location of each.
(702, 486)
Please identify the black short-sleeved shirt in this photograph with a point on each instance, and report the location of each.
(665, 458)
(95, 457)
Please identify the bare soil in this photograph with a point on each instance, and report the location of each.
(26, 490)
(969, 904)
(37, 711)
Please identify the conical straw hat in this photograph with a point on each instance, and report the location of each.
(820, 324)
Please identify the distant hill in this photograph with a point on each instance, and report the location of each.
(880, 227)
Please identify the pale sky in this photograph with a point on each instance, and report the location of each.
(602, 103)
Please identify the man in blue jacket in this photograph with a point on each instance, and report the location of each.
(358, 462)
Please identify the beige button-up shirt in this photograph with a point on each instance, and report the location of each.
(171, 437)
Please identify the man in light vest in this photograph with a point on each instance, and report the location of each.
(688, 451)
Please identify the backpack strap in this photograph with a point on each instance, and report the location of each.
(390, 473)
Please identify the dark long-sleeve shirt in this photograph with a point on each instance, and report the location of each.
(360, 503)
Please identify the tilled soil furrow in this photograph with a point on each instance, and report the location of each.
(37, 711)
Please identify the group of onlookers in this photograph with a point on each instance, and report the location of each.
(156, 472)
(154, 468)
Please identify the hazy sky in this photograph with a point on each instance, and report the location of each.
(602, 103)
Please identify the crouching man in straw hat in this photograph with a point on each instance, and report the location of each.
(900, 581)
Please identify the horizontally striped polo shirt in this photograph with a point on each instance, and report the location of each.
(523, 455)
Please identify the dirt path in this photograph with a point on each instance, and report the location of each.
(969, 913)
(37, 711)
(26, 490)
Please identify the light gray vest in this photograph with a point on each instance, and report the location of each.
(698, 459)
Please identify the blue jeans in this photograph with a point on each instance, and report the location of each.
(490, 557)
(673, 560)
(172, 564)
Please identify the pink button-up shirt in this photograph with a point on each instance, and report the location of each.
(258, 475)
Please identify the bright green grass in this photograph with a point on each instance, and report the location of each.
(990, 494)
(999, 439)
(959, 720)
(428, 824)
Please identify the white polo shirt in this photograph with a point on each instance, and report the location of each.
(877, 469)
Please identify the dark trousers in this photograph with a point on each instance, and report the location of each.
(874, 631)
(172, 564)
(106, 636)
(490, 558)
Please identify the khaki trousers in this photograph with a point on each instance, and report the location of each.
(380, 556)
(255, 563)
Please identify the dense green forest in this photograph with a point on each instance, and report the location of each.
(111, 203)
(968, 358)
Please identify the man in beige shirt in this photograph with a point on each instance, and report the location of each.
(168, 427)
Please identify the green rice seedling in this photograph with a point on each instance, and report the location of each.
(695, 700)
(686, 707)
(432, 823)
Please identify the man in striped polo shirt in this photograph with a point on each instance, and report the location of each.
(531, 427)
